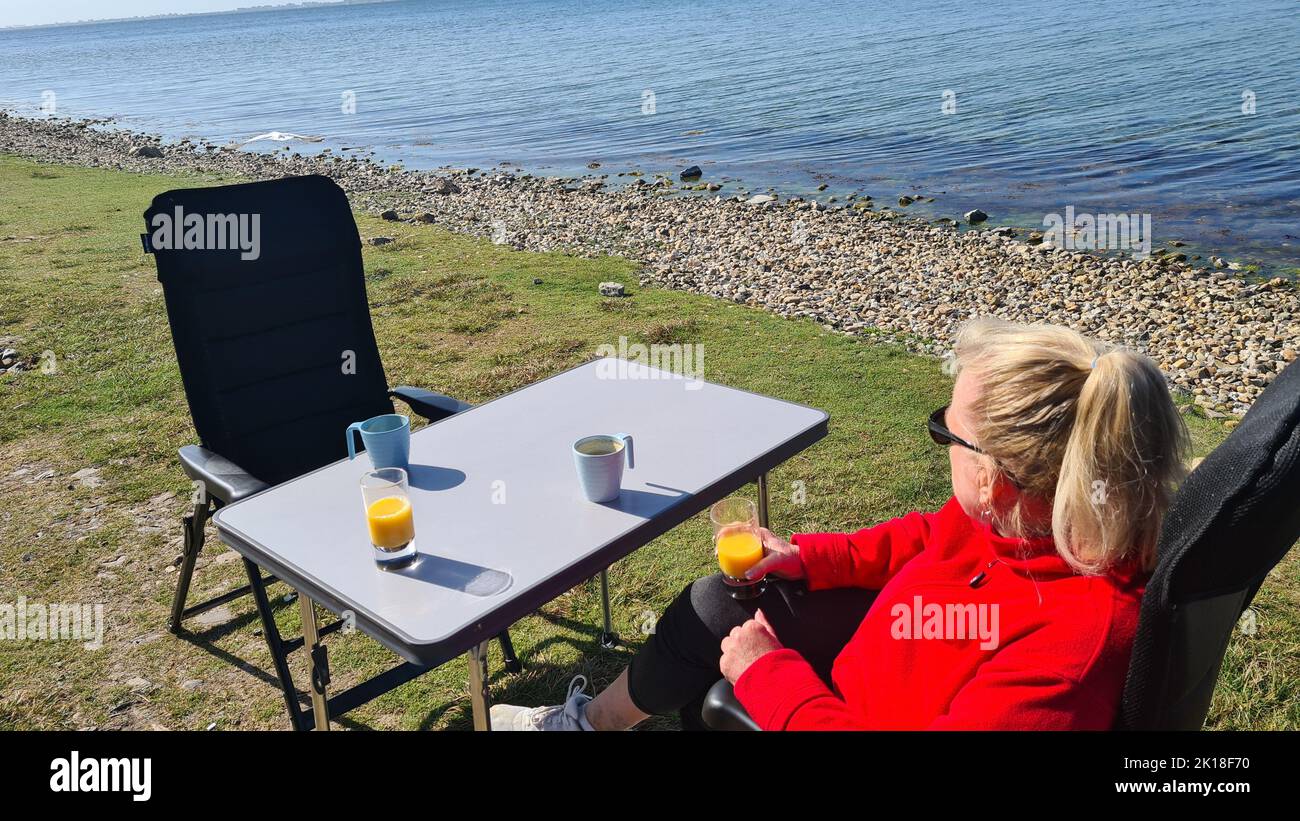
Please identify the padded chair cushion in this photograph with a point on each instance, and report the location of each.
(263, 343)
(1238, 513)
(223, 480)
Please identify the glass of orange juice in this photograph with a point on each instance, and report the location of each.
(389, 517)
(738, 545)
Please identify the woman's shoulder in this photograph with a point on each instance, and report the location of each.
(1091, 632)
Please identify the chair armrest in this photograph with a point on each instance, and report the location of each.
(222, 479)
(723, 712)
(430, 405)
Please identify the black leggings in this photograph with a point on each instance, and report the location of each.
(677, 666)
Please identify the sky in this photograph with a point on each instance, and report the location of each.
(24, 13)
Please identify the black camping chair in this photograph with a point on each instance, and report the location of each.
(1231, 522)
(277, 355)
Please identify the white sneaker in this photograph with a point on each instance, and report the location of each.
(571, 715)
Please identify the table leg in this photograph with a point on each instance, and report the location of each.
(318, 668)
(762, 500)
(479, 698)
(608, 639)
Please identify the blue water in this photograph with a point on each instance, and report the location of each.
(1106, 106)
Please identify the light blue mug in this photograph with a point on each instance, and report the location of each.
(387, 439)
(600, 460)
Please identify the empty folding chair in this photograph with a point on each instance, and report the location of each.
(266, 298)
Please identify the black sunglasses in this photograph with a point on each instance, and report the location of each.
(941, 435)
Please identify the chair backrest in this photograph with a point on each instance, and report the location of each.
(270, 320)
(1232, 521)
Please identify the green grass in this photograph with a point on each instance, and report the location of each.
(451, 313)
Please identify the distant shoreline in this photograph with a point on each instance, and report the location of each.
(175, 15)
(860, 269)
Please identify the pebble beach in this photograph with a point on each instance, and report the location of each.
(860, 267)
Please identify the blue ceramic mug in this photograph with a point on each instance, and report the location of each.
(600, 460)
(387, 439)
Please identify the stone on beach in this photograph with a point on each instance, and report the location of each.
(443, 185)
(975, 216)
(611, 289)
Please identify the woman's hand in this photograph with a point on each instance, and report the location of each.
(782, 559)
(745, 645)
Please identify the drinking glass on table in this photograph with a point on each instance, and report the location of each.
(738, 544)
(389, 518)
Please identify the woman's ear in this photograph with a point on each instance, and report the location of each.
(996, 492)
(985, 485)
(1005, 492)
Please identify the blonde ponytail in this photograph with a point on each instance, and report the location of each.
(1088, 429)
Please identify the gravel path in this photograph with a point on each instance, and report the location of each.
(854, 267)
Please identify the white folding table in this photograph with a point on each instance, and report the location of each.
(500, 521)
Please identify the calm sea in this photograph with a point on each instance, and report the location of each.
(1020, 109)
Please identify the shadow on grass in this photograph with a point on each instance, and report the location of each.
(207, 640)
(538, 682)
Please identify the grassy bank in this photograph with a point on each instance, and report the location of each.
(92, 493)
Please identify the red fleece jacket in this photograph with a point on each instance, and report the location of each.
(1042, 648)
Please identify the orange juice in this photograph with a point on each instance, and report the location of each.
(737, 552)
(390, 521)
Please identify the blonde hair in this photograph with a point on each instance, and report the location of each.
(1089, 429)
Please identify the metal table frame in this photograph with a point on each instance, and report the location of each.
(313, 633)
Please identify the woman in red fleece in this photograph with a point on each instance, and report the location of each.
(1012, 607)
